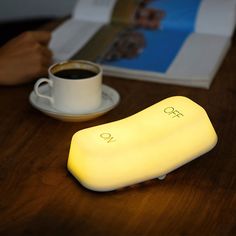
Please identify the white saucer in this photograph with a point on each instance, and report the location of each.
(110, 99)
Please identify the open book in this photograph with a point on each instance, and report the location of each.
(170, 41)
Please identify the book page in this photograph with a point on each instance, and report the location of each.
(88, 17)
(179, 15)
(216, 17)
(199, 57)
(70, 37)
(94, 10)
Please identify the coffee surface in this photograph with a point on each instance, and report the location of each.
(75, 74)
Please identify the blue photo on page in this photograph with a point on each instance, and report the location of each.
(152, 44)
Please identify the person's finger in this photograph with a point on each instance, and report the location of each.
(42, 37)
(47, 52)
(47, 62)
(47, 56)
(41, 52)
(38, 69)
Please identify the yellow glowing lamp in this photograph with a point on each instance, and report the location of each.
(141, 147)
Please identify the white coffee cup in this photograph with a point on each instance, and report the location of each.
(71, 90)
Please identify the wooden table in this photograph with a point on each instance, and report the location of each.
(38, 196)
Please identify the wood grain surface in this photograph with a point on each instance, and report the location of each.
(38, 196)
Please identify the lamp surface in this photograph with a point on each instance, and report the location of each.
(146, 145)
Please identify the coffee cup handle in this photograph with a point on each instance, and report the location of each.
(37, 85)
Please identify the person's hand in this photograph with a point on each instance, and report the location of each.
(25, 58)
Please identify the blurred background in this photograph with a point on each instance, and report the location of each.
(18, 16)
(11, 10)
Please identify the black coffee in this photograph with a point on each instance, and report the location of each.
(75, 74)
